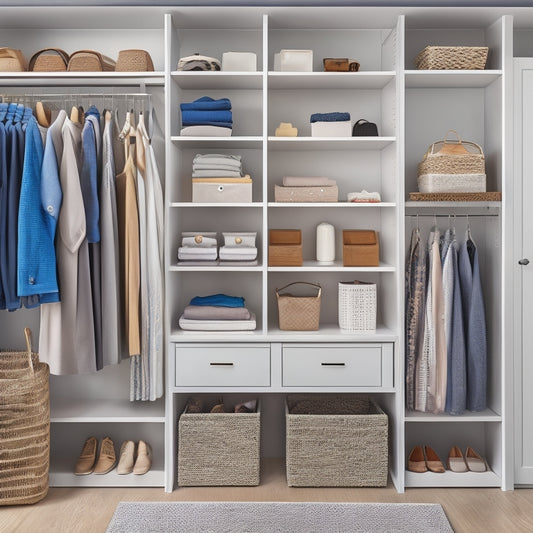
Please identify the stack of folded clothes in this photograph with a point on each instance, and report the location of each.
(306, 189)
(217, 312)
(198, 248)
(331, 125)
(206, 117)
(239, 248)
(216, 165)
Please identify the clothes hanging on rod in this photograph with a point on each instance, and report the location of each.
(68, 183)
(447, 371)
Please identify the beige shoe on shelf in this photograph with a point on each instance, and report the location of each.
(126, 457)
(474, 461)
(143, 463)
(456, 461)
(106, 458)
(416, 461)
(433, 460)
(85, 463)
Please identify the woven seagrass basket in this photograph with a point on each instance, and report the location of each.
(219, 449)
(452, 58)
(134, 61)
(299, 313)
(452, 157)
(24, 427)
(336, 441)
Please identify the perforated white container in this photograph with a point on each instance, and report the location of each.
(357, 306)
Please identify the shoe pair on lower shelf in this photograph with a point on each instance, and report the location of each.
(88, 462)
(134, 458)
(421, 461)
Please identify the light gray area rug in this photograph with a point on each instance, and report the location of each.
(282, 517)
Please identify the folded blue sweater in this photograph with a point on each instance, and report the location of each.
(218, 300)
(205, 103)
(330, 117)
(201, 117)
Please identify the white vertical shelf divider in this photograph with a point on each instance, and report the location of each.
(264, 275)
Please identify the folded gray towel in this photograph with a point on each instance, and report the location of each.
(209, 312)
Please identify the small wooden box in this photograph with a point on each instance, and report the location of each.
(285, 247)
(360, 247)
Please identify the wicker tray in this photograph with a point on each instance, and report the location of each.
(494, 196)
(335, 441)
(452, 58)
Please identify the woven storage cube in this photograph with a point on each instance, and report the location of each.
(452, 183)
(299, 313)
(219, 449)
(336, 441)
(357, 306)
(24, 427)
(452, 58)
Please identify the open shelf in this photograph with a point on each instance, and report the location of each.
(212, 205)
(450, 78)
(219, 142)
(94, 410)
(452, 479)
(350, 205)
(215, 268)
(329, 143)
(337, 266)
(329, 80)
(218, 80)
(488, 415)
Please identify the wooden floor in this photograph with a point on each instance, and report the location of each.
(89, 510)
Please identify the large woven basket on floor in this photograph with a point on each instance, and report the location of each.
(24, 427)
(219, 449)
(452, 58)
(336, 441)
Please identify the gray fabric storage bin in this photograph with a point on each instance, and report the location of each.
(342, 443)
(219, 449)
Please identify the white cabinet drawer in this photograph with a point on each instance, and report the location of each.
(346, 365)
(226, 365)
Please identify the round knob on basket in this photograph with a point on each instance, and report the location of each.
(238, 240)
(198, 239)
(524, 261)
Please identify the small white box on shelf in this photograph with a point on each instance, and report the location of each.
(294, 61)
(222, 192)
(342, 128)
(239, 61)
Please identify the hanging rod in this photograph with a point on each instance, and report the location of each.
(72, 94)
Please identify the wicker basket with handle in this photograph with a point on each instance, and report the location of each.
(452, 58)
(299, 313)
(453, 157)
(24, 426)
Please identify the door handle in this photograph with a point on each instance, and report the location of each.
(333, 364)
(524, 261)
(221, 364)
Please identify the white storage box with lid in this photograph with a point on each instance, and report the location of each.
(294, 61)
(221, 192)
(239, 61)
(342, 128)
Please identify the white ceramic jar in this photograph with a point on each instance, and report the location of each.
(325, 243)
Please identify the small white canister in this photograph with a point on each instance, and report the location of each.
(325, 243)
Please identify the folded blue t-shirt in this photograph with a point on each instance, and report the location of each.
(218, 300)
(330, 117)
(206, 103)
(201, 117)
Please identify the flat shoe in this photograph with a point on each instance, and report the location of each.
(474, 461)
(85, 463)
(143, 463)
(107, 458)
(126, 459)
(433, 461)
(416, 462)
(456, 461)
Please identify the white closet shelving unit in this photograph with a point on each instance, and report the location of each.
(411, 108)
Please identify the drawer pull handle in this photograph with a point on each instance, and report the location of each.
(333, 364)
(221, 364)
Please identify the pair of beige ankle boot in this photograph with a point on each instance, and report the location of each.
(134, 458)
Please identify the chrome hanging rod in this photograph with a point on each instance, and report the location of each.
(450, 216)
(73, 94)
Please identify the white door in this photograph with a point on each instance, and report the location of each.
(523, 175)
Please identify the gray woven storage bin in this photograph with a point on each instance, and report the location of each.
(219, 449)
(343, 443)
